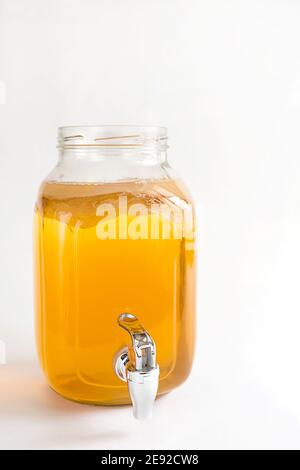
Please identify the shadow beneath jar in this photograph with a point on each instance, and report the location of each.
(46, 420)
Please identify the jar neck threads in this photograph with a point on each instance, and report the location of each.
(142, 138)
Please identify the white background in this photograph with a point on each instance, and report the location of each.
(224, 77)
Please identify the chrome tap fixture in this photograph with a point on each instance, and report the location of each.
(137, 366)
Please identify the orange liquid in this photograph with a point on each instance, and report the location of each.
(84, 280)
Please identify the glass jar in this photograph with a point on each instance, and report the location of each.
(114, 235)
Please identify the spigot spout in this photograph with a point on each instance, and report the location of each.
(137, 366)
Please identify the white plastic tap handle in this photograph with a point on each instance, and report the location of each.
(143, 390)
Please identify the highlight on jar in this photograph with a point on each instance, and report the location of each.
(115, 269)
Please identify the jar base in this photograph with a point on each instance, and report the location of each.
(80, 401)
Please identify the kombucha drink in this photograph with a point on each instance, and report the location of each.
(104, 249)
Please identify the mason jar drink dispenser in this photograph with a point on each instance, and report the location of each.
(114, 269)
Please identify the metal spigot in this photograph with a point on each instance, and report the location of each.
(137, 366)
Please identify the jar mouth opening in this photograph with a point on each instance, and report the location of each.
(112, 136)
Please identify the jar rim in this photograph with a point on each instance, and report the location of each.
(112, 136)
